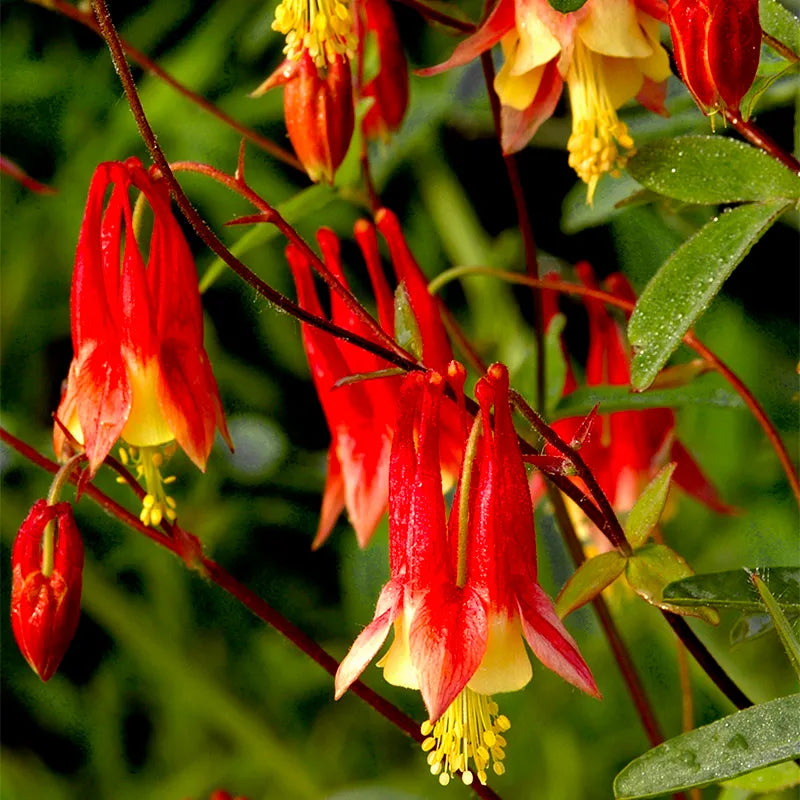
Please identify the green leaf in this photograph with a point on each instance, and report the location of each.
(768, 779)
(749, 627)
(566, 6)
(680, 291)
(589, 580)
(734, 589)
(780, 23)
(654, 566)
(712, 170)
(406, 330)
(788, 639)
(740, 743)
(621, 398)
(645, 514)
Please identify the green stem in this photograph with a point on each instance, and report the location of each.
(49, 536)
(463, 500)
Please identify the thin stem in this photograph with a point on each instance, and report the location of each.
(434, 15)
(690, 339)
(779, 47)
(205, 233)
(218, 575)
(624, 661)
(757, 137)
(270, 215)
(525, 228)
(86, 19)
(707, 662)
(611, 527)
(49, 535)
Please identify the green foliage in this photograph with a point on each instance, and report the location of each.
(735, 745)
(647, 511)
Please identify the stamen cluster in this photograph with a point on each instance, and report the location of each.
(321, 28)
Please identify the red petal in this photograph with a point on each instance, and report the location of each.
(332, 499)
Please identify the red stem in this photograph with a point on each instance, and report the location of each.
(86, 19)
(439, 16)
(757, 137)
(218, 575)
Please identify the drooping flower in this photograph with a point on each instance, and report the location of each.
(361, 415)
(607, 52)
(625, 449)
(140, 371)
(47, 574)
(462, 597)
(717, 47)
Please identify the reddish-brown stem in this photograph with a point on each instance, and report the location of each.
(779, 47)
(525, 228)
(611, 527)
(691, 341)
(434, 15)
(623, 659)
(205, 233)
(757, 137)
(272, 216)
(216, 574)
(86, 19)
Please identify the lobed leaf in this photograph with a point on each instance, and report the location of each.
(647, 510)
(712, 170)
(687, 282)
(735, 745)
(734, 589)
(589, 580)
(654, 566)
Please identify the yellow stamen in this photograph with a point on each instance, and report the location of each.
(156, 504)
(469, 731)
(323, 28)
(600, 141)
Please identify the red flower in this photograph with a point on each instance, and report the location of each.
(717, 47)
(361, 416)
(462, 597)
(318, 108)
(140, 370)
(47, 564)
(625, 449)
(389, 87)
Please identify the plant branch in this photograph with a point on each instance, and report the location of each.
(757, 137)
(205, 233)
(218, 575)
(689, 339)
(435, 15)
(144, 61)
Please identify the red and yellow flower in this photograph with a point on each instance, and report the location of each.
(140, 371)
(361, 416)
(462, 598)
(607, 52)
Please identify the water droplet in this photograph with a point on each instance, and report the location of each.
(737, 742)
(689, 758)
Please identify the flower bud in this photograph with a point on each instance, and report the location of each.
(717, 46)
(46, 590)
(318, 107)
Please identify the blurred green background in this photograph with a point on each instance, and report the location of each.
(170, 688)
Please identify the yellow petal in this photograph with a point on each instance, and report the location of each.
(656, 65)
(537, 45)
(505, 666)
(612, 28)
(622, 79)
(397, 667)
(146, 426)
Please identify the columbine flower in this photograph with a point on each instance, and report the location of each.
(47, 565)
(625, 449)
(607, 52)
(462, 598)
(361, 416)
(717, 47)
(140, 371)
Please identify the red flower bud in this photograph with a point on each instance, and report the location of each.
(318, 107)
(45, 608)
(717, 46)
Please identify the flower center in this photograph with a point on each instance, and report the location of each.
(156, 504)
(323, 28)
(470, 730)
(600, 141)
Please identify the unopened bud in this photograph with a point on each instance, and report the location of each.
(46, 586)
(717, 47)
